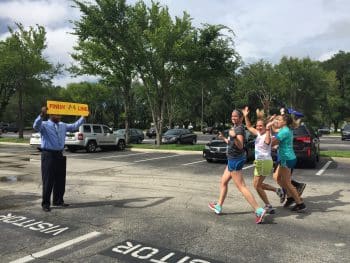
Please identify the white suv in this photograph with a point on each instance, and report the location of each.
(91, 136)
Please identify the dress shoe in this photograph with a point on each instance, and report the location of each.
(61, 204)
(46, 209)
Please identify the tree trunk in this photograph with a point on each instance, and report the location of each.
(20, 113)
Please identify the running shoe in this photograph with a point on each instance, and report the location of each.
(289, 202)
(269, 209)
(215, 207)
(300, 188)
(299, 208)
(281, 194)
(260, 213)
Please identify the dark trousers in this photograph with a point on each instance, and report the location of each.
(53, 173)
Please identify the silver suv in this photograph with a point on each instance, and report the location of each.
(91, 136)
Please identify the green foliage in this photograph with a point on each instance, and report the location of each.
(23, 68)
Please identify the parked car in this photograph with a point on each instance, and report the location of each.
(91, 136)
(180, 136)
(151, 132)
(345, 132)
(216, 149)
(210, 130)
(324, 130)
(306, 146)
(8, 127)
(135, 135)
(35, 140)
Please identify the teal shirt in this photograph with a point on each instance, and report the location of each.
(285, 148)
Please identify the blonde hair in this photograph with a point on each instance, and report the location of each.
(260, 114)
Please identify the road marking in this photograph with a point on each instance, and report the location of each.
(145, 160)
(320, 172)
(56, 248)
(195, 162)
(120, 156)
(247, 167)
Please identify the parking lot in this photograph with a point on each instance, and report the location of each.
(148, 206)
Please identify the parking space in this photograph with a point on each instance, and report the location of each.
(133, 206)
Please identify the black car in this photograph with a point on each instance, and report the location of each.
(345, 132)
(180, 136)
(151, 132)
(8, 127)
(135, 135)
(216, 149)
(306, 145)
(324, 130)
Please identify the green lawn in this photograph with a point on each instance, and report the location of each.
(16, 140)
(345, 154)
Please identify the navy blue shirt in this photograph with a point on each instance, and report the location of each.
(53, 135)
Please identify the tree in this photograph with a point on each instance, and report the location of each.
(340, 63)
(106, 47)
(23, 67)
(261, 80)
(211, 68)
(305, 84)
(160, 54)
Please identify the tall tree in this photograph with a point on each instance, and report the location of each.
(106, 46)
(160, 56)
(27, 68)
(261, 80)
(340, 63)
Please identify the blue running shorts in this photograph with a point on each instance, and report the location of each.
(288, 163)
(236, 164)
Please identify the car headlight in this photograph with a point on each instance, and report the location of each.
(172, 139)
(207, 147)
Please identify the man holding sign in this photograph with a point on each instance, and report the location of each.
(53, 163)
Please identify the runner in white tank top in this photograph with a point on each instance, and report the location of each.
(263, 160)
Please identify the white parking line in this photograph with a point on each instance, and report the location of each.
(120, 156)
(249, 166)
(145, 160)
(324, 168)
(56, 248)
(195, 162)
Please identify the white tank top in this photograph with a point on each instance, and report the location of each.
(262, 150)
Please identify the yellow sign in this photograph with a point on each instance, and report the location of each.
(67, 108)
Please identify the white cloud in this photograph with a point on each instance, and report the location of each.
(265, 29)
(43, 12)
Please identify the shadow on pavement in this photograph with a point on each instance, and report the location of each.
(150, 201)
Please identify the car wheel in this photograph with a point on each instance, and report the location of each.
(178, 141)
(121, 145)
(91, 147)
(313, 162)
(194, 141)
(71, 149)
(138, 141)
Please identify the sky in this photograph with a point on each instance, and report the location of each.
(264, 29)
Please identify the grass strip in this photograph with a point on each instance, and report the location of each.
(344, 154)
(196, 147)
(14, 140)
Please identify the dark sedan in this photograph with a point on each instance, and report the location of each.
(306, 146)
(345, 132)
(135, 135)
(216, 149)
(180, 136)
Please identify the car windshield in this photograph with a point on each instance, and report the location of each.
(173, 132)
(346, 127)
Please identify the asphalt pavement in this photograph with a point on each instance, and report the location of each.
(145, 206)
